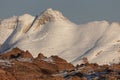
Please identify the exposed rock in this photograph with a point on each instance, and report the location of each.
(15, 53)
(62, 64)
(74, 78)
(4, 75)
(47, 68)
(40, 56)
(53, 64)
(20, 65)
(56, 78)
(27, 54)
(25, 71)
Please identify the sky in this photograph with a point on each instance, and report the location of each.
(78, 11)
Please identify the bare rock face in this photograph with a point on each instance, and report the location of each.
(57, 78)
(40, 56)
(25, 71)
(53, 64)
(27, 54)
(47, 68)
(62, 64)
(75, 78)
(15, 53)
(4, 75)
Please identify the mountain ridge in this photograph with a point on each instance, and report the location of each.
(53, 34)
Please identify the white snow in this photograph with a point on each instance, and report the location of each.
(6, 28)
(26, 21)
(25, 60)
(98, 40)
(53, 15)
(49, 60)
(6, 63)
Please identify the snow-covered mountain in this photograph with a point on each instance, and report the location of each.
(53, 34)
(6, 28)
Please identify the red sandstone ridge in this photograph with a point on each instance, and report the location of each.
(16, 53)
(62, 64)
(20, 65)
(53, 64)
(40, 56)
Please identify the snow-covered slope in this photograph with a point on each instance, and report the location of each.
(53, 34)
(6, 28)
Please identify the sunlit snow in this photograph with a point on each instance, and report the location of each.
(99, 41)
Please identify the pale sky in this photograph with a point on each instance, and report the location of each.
(78, 11)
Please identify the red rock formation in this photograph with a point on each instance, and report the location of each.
(47, 68)
(74, 78)
(62, 64)
(4, 75)
(15, 53)
(20, 65)
(26, 54)
(24, 70)
(40, 56)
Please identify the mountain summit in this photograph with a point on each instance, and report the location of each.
(53, 34)
(48, 15)
(51, 15)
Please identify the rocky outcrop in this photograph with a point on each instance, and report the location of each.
(24, 71)
(47, 68)
(76, 78)
(5, 75)
(16, 53)
(20, 65)
(53, 64)
(62, 64)
(40, 56)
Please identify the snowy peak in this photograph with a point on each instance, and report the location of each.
(9, 23)
(25, 17)
(53, 34)
(51, 15)
(6, 28)
(26, 21)
(48, 16)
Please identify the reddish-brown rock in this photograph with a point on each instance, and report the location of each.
(53, 64)
(40, 56)
(15, 53)
(25, 71)
(4, 75)
(77, 78)
(74, 78)
(20, 65)
(56, 78)
(46, 67)
(62, 64)
(27, 54)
